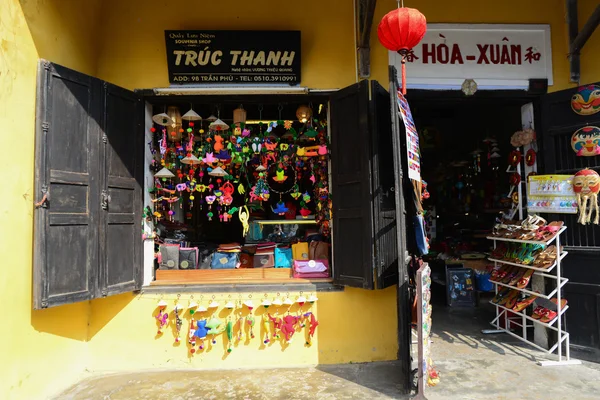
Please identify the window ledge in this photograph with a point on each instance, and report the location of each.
(295, 285)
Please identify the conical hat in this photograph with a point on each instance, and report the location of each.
(218, 124)
(164, 173)
(162, 119)
(217, 172)
(192, 159)
(191, 116)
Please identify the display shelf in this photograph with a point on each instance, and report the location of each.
(284, 221)
(556, 323)
(501, 239)
(537, 321)
(549, 269)
(545, 296)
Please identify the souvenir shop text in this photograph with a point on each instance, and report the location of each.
(503, 54)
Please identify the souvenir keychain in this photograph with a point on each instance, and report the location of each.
(250, 318)
(313, 323)
(265, 321)
(162, 317)
(178, 323)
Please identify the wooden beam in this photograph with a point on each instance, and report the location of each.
(585, 33)
(365, 13)
(573, 26)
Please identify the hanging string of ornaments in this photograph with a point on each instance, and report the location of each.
(400, 30)
(281, 318)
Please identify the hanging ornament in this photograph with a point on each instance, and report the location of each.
(514, 158)
(312, 327)
(174, 129)
(587, 100)
(400, 30)
(162, 119)
(218, 125)
(229, 330)
(586, 185)
(586, 141)
(162, 317)
(214, 328)
(303, 113)
(178, 323)
(530, 157)
(515, 179)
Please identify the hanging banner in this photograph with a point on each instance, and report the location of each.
(240, 57)
(491, 54)
(412, 139)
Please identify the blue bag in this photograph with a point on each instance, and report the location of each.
(225, 260)
(283, 257)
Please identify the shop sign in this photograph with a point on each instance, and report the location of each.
(492, 55)
(238, 57)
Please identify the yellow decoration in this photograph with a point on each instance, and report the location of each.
(241, 189)
(244, 215)
(301, 151)
(284, 146)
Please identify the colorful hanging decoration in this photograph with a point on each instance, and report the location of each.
(586, 141)
(313, 323)
(530, 157)
(162, 317)
(514, 158)
(400, 30)
(586, 185)
(587, 100)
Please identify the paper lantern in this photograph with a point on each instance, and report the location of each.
(303, 113)
(174, 130)
(239, 115)
(400, 30)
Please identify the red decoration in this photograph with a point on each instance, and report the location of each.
(514, 158)
(530, 157)
(400, 30)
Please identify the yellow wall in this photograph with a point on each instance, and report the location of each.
(354, 326)
(45, 350)
(590, 55)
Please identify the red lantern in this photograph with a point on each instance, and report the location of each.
(400, 30)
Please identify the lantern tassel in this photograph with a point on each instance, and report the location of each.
(403, 76)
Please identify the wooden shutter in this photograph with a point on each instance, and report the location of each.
(121, 157)
(351, 187)
(88, 143)
(66, 170)
(559, 122)
(384, 204)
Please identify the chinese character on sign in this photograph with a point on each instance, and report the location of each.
(411, 56)
(532, 55)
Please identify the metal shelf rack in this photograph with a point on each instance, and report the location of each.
(525, 321)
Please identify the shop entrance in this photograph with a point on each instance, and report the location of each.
(465, 144)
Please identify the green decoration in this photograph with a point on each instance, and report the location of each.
(229, 335)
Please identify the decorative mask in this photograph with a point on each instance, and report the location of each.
(586, 185)
(587, 100)
(586, 141)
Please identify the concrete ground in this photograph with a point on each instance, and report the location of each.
(471, 366)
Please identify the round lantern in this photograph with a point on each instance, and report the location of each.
(303, 113)
(400, 30)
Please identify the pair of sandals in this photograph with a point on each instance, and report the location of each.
(509, 299)
(517, 229)
(546, 258)
(513, 276)
(545, 315)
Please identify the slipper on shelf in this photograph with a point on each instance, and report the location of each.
(510, 303)
(511, 275)
(538, 312)
(501, 293)
(548, 316)
(524, 280)
(532, 254)
(548, 232)
(504, 272)
(517, 278)
(496, 272)
(523, 304)
(512, 294)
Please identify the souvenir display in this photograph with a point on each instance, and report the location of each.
(586, 141)
(211, 186)
(587, 100)
(586, 185)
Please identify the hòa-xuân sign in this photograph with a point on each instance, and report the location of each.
(239, 57)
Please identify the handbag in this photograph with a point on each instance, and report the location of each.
(246, 260)
(300, 251)
(188, 257)
(225, 260)
(311, 269)
(318, 250)
(283, 257)
(264, 261)
(169, 256)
